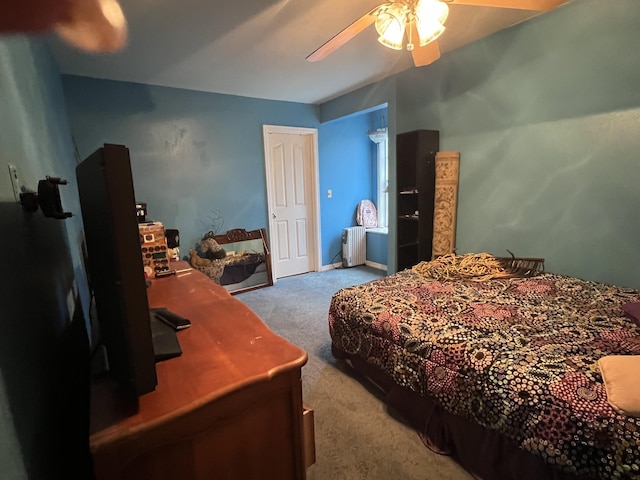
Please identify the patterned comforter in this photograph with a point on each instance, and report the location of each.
(518, 356)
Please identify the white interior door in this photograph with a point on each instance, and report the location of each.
(291, 167)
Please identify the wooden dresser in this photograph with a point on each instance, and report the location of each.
(230, 407)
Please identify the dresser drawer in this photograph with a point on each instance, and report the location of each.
(309, 437)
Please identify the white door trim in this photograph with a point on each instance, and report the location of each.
(314, 185)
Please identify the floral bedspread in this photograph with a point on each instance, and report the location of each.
(516, 355)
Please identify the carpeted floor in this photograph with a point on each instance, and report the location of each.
(357, 436)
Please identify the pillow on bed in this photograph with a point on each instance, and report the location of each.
(632, 309)
(620, 374)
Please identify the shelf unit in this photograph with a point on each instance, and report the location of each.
(415, 182)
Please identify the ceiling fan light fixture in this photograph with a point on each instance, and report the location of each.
(430, 18)
(422, 21)
(432, 10)
(390, 25)
(429, 31)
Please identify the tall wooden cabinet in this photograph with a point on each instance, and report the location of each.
(415, 182)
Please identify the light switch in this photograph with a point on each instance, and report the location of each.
(329, 193)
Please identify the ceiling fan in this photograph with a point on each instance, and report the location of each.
(420, 21)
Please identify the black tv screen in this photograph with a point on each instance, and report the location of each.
(116, 275)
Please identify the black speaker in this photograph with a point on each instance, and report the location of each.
(116, 275)
(173, 238)
(141, 212)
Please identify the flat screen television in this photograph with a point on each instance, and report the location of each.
(115, 270)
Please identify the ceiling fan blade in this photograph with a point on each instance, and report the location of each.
(540, 5)
(344, 36)
(425, 55)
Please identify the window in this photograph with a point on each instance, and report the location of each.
(380, 137)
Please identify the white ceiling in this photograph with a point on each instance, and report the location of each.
(257, 48)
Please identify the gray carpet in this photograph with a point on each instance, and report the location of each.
(357, 436)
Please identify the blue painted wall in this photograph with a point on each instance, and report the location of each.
(369, 100)
(546, 116)
(347, 169)
(43, 354)
(377, 248)
(194, 155)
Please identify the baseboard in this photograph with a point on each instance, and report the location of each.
(377, 266)
(368, 263)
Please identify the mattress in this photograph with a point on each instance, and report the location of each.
(515, 356)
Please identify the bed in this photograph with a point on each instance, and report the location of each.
(501, 374)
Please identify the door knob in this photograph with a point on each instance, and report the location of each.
(273, 215)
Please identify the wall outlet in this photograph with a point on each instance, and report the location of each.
(15, 182)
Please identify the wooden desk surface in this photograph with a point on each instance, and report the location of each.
(227, 348)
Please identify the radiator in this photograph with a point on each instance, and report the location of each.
(354, 246)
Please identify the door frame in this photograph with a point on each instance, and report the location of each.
(313, 183)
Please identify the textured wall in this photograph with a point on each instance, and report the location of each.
(196, 154)
(546, 116)
(347, 170)
(377, 248)
(193, 154)
(368, 100)
(43, 367)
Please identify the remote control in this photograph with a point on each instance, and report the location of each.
(172, 319)
(166, 273)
